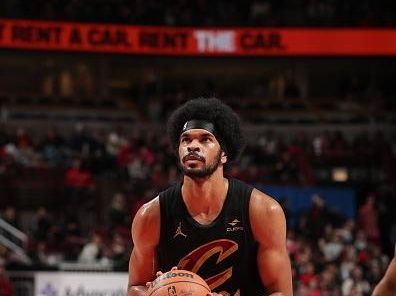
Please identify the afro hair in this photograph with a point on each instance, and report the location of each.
(225, 120)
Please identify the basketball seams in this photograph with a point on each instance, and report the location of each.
(171, 283)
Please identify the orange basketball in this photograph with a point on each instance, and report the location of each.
(178, 283)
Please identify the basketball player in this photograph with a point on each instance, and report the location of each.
(387, 285)
(228, 232)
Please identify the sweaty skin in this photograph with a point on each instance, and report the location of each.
(204, 198)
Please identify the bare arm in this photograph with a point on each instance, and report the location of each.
(269, 229)
(145, 235)
(387, 285)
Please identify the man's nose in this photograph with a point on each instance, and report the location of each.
(193, 147)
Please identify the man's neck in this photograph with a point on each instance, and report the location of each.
(204, 198)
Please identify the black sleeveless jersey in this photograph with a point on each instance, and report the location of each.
(224, 252)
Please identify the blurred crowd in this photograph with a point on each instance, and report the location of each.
(209, 13)
(331, 255)
(340, 260)
(334, 257)
(150, 93)
(154, 97)
(145, 157)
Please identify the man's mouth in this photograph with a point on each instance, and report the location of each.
(192, 156)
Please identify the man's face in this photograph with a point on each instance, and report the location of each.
(200, 153)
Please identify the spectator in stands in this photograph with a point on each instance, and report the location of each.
(11, 217)
(331, 248)
(114, 143)
(73, 237)
(99, 162)
(317, 216)
(286, 168)
(42, 225)
(93, 251)
(321, 143)
(268, 147)
(119, 252)
(307, 273)
(118, 215)
(349, 259)
(292, 243)
(125, 156)
(140, 167)
(81, 141)
(329, 281)
(21, 150)
(78, 179)
(159, 176)
(368, 219)
(53, 149)
(75, 177)
(23, 141)
(303, 255)
(41, 259)
(347, 231)
(355, 284)
(360, 242)
(374, 272)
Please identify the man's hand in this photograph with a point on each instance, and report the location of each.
(159, 273)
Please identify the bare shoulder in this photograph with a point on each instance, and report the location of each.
(149, 211)
(266, 216)
(265, 206)
(146, 223)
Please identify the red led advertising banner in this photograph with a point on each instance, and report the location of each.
(106, 38)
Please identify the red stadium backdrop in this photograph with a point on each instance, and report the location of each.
(104, 38)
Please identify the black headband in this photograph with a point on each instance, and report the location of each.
(206, 125)
(199, 124)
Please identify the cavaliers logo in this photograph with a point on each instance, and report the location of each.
(221, 248)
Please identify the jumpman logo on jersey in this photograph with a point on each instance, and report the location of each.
(179, 231)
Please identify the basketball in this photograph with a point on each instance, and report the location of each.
(178, 283)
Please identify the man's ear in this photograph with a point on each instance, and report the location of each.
(223, 157)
